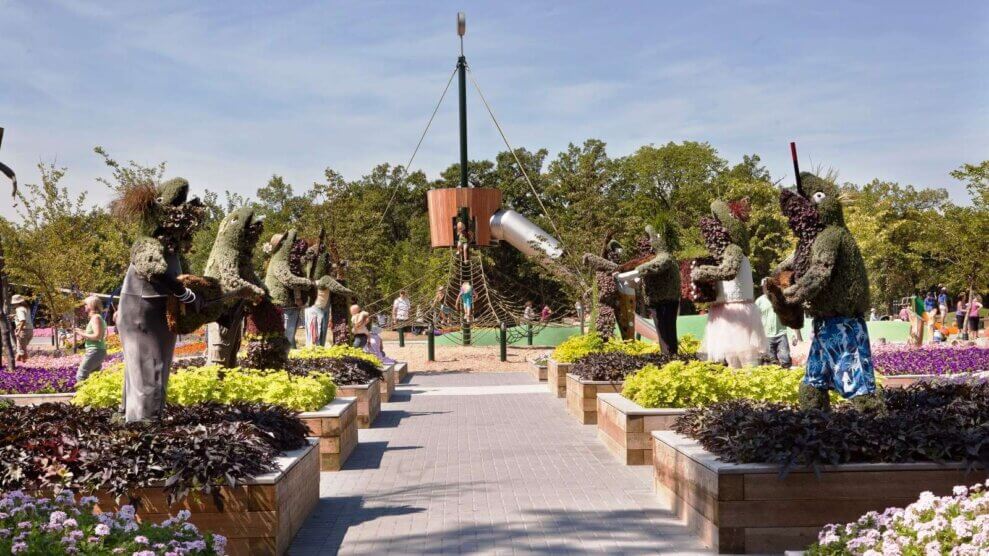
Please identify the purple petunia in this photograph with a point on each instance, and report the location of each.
(931, 360)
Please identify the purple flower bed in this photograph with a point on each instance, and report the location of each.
(38, 380)
(931, 361)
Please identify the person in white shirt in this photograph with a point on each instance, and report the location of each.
(400, 310)
(23, 325)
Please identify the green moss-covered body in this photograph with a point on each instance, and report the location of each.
(279, 278)
(660, 274)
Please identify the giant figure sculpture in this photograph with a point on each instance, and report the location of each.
(167, 221)
(734, 332)
(830, 282)
(661, 286)
(607, 290)
(283, 284)
(231, 262)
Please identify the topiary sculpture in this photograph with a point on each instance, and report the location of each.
(607, 290)
(734, 332)
(284, 285)
(661, 286)
(327, 289)
(231, 264)
(166, 221)
(830, 282)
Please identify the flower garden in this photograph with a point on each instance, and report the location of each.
(708, 429)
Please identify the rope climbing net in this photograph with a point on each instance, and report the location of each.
(444, 310)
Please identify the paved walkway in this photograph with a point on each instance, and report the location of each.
(486, 463)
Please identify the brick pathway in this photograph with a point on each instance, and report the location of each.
(450, 469)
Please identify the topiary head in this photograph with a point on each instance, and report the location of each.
(280, 244)
(826, 198)
(658, 241)
(733, 216)
(240, 229)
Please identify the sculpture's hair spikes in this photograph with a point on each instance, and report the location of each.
(741, 209)
(134, 202)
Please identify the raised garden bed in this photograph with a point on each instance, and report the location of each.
(556, 377)
(538, 371)
(402, 368)
(747, 508)
(582, 397)
(258, 517)
(387, 384)
(626, 427)
(36, 399)
(903, 381)
(368, 401)
(335, 426)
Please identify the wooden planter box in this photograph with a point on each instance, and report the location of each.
(259, 517)
(747, 508)
(37, 399)
(626, 427)
(387, 385)
(582, 397)
(335, 425)
(556, 377)
(402, 368)
(368, 401)
(538, 372)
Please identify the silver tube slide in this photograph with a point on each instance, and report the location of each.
(519, 232)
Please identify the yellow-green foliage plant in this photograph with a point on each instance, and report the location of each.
(216, 384)
(688, 345)
(575, 347)
(682, 384)
(318, 352)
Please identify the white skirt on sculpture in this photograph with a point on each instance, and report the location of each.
(734, 332)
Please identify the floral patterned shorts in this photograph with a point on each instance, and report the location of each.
(840, 357)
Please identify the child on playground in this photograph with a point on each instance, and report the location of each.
(466, 298)
(463, 241)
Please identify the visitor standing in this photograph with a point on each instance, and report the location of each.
(529, 313)
(23, 325)
(360, 320)
(94, 336)
(942, 305)
(400, 310)
(973, 316)
(961, 309)
(317, 318)
(545, 314)
(776, 332)
(463, 241)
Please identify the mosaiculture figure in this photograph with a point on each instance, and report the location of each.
(318, 314)
(231, 262)
(287, 288)
(166, 222)
(604, 267)
(661, 287)
(734, 332)
(830, 282)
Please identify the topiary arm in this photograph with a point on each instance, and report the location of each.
(328, 283)
(786, 265)
(657, 264)
(595, 262)
(731, 261)
(284, 275)
(824, 256)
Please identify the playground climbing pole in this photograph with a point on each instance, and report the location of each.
(6, 342)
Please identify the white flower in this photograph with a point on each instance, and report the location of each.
(959, 491)
(102, 530)
(932, 548)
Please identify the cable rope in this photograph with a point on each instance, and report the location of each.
(405, 170)
(525, 174)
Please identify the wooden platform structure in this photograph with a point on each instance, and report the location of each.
(445, 205)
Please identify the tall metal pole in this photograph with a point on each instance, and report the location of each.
(462, 79)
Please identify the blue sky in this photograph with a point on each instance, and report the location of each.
(231, 92)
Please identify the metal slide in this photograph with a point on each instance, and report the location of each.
(522, 234)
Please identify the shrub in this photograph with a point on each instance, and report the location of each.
(956, 524)
(344, 370)
(318, 352)
(575, 347)
(55, 446)
(925, 422)
(61, 525)
(215, 384)
(931, 360)
(614, 366)
(700, 383)
(688, 345)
